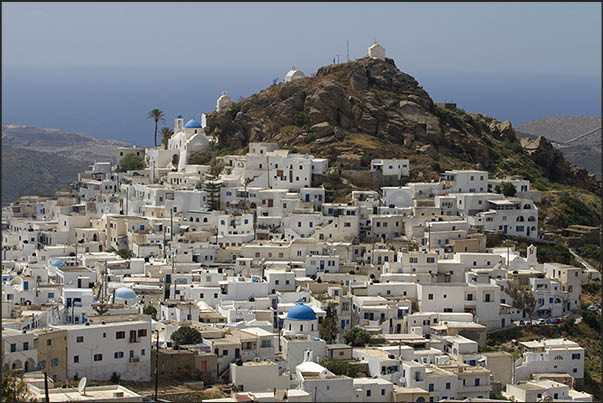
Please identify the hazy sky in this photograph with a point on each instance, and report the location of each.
(487, 37)
(159, 42)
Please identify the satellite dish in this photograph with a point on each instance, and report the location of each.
(81, 387)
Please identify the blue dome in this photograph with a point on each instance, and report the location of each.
(179, 117)
(125, 293)
(192, 124)
(301, 312)
(57, 263)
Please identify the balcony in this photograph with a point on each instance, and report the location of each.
(134, 359)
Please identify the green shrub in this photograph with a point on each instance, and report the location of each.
(340, 367)
(300, 119)
(309, 138)
(234, 109)
(186, 335)
(130, 162)
(357, 337)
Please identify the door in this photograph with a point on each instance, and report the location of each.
(528, 231)
(132, 336)
(502, 322)
(505, 229)
(237, 353)
(307, 198)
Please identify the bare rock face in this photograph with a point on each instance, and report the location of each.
(322, 129)
(503, 131)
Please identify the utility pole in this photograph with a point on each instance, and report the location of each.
(171, 225)
(46, 386)
(157, 365)
(429, 240)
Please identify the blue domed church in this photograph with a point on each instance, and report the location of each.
(301, 319)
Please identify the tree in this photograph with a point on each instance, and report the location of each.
(339, 367)
(498, 189)
(199, 158)
(125, 253)
(166, 134)
(186, 335)
(130, 162)
(157, 116)
(523, 299)
(211, 184)
(14, 388)
(328, 329)
(508, 189)
(357, 337)
(150, 310)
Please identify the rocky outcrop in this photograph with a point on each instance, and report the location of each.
(369, 106)
(556, 167)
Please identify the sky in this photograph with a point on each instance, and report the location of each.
(99, 67)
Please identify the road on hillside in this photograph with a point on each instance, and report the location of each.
(582, 261)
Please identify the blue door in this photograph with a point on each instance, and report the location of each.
(237, 353)
(505, 229)
(307, 197)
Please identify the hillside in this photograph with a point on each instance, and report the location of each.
(27, 172)
(369, 108)
(78, 146)
(38, 161)
(564, 128)
(578, 137)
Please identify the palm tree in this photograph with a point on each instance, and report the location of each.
(166, 134)
(157, 116)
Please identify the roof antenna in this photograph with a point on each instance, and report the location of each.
(348, 50)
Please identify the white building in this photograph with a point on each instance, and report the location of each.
(97, 351)
(376, 51)
(293, 75)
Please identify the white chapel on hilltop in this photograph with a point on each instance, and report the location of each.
(294, 74)
(224, 102)
(376, 51)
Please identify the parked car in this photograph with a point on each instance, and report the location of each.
(592, 308)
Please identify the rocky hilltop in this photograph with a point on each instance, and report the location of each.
(370, 108)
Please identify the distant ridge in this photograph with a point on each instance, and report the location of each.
(577, 137)
(79, 146)
(39, 161)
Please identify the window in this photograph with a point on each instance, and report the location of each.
(49, 342)
(142, 332)
(13, 347)
(79, 339)
(98, 357)
(368, 392)
(575, 356)
(382, 392)
(431, 388)
(431, 259)
(477, 382)
(25, 346)
(429, 296)
(76, 359)
(118, 354)
(120, 335)
(447, 385)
